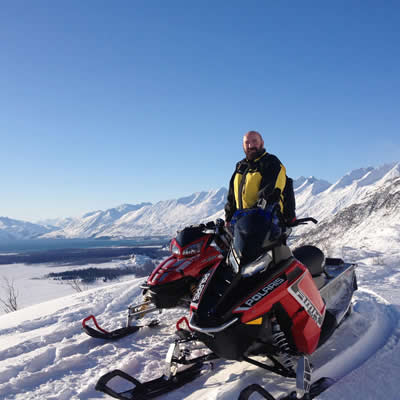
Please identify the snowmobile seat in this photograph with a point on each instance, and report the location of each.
(312, 257)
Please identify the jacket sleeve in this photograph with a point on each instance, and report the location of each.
(230, 206)
(273, 181)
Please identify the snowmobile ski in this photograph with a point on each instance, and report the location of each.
(150, 389)
(316, 389)
(116, 334)
(169, 381)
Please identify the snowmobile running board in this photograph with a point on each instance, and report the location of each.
(100, 333)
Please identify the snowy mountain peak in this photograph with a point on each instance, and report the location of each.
(11, 229)
(195, 199)
(383, 173)
(363, 201)
(350, 177)
(162, 218)
(124, 208)
(312, 185)
(116, 211)
(298, 182)
(393, 172)
(367, 176)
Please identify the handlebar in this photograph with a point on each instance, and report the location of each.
(303, 221)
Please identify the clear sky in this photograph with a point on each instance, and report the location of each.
(110, 102)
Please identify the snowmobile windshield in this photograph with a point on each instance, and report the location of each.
(251, 232)
(189, 235)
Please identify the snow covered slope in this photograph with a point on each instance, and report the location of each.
(90, 224)
(44, 353)
(11, 229)
(364, 213)
(354, 188)
(307, 187)
(162, 218)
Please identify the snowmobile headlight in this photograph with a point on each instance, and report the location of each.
(193, 249)
(233, 261)
(175, 249)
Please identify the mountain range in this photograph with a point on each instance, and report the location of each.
(11, 229)
(366, 199)
(361, 210)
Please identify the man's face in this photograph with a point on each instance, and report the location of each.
(252, 144)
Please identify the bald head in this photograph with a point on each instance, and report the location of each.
(253, 143)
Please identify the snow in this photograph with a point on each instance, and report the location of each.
(312, 185)
(11, 229)
(164, 217)
(355, 187)
(45, 354)
(32, 288)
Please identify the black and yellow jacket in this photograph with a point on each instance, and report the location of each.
(253, 180)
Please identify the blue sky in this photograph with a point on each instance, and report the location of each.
(104, 103)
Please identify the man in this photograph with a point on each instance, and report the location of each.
(258, 176)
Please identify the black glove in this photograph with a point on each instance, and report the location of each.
(274, 197)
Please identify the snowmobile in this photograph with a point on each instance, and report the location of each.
(194, 251)
(262, 300)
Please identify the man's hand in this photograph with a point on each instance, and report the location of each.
(274, 197)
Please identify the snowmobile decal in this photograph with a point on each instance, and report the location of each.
(212, 258)
(200, 288)
(257, 321)
(172, 266)
(266, 290)
(303, 299)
